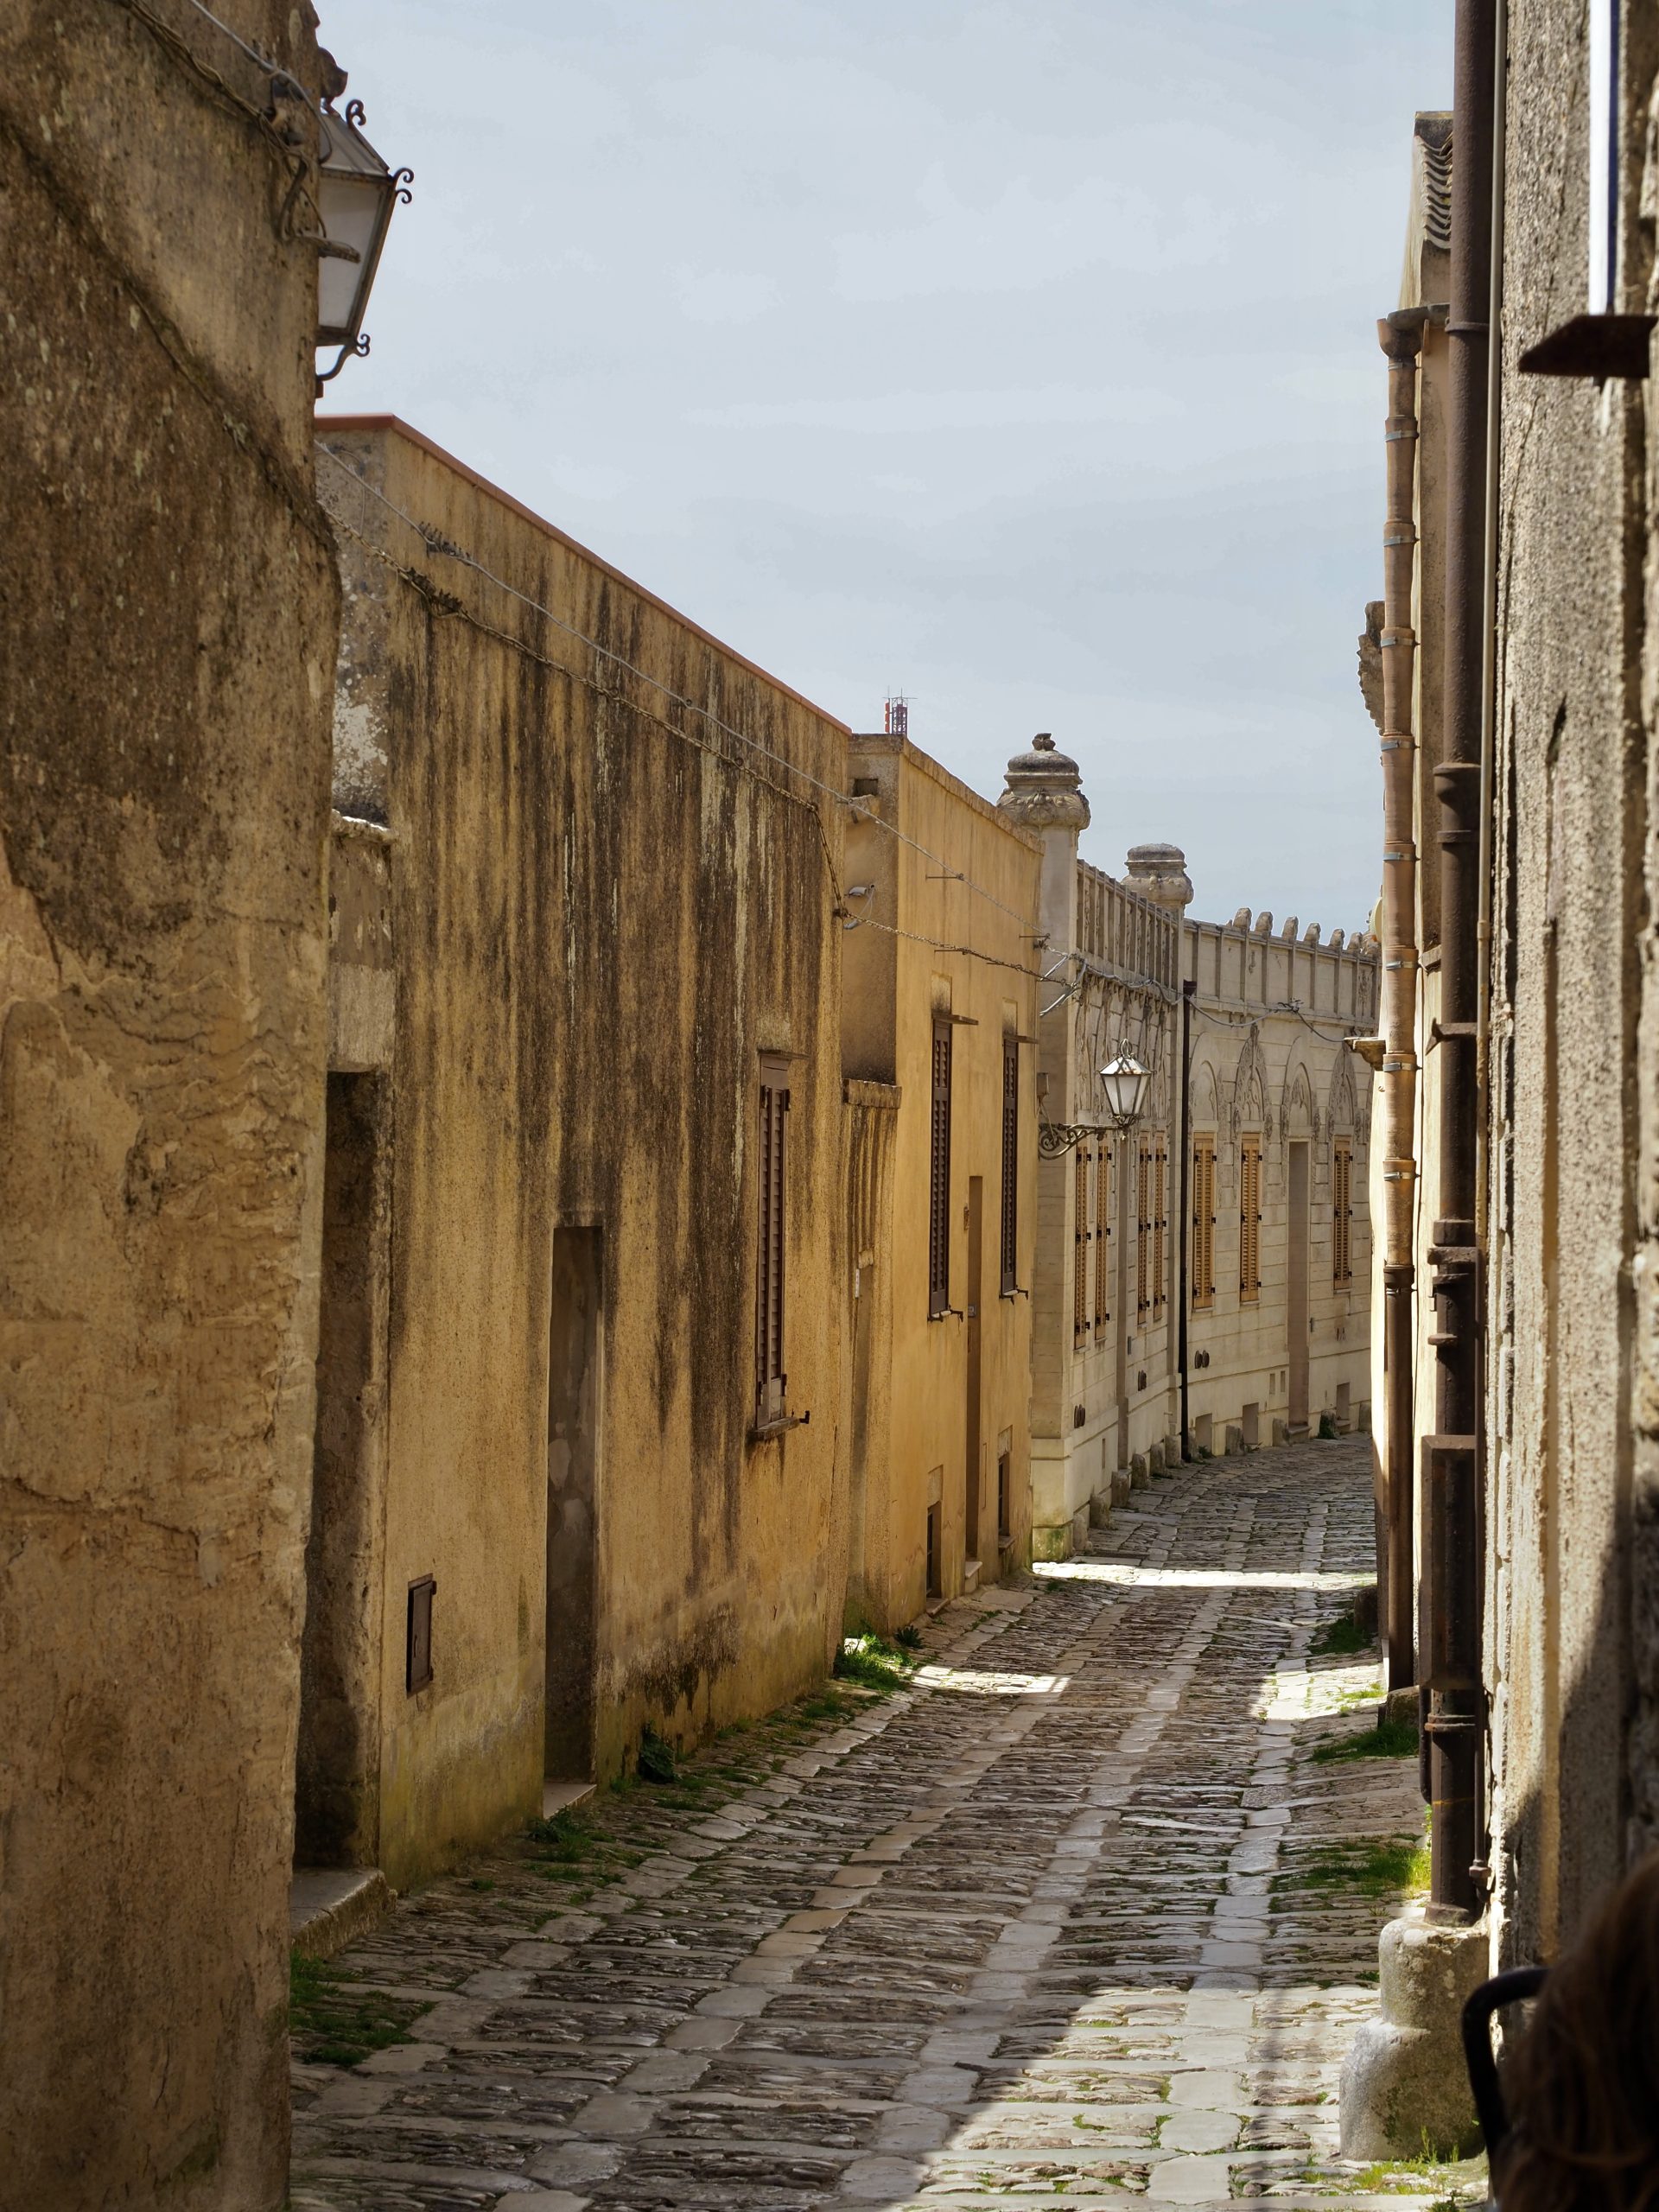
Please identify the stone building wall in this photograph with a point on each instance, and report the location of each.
(1573, 1201)
(939, 1462)
(604, 910)
(167, 615)
(1271, 1016)
(1288, 1078)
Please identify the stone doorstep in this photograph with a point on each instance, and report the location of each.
(561, 1796)
(329, 1907)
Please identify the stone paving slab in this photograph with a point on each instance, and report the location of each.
(1064, 1920)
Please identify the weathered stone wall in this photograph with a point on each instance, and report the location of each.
(1291, 1079)
(168, 610)
(1271, 1013)
(1573, 1462)
(943, 1399)
(604, 910)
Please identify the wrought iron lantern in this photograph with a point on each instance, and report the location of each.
(1123, 1084)
(356, 194)
(1124, 1081)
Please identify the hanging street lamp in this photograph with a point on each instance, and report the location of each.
(356, 194)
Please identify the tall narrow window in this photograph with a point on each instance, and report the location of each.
(1010, 1219)
(1142, 1231)
(1160, 1222)
(1342, 1212)
(1080, 1243)
(1250, 1220)
(769, 1376)
(1204, 1222)
(1102, 1236)
(938, 1192)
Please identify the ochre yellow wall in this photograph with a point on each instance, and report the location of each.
(605, 911)
(918, 1410)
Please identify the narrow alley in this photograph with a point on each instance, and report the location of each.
(1075, 1912)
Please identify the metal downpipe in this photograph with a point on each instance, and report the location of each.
(1451, 1661)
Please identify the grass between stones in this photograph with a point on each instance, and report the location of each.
(1389, 1739)
(331, 2022)
(1343, 1636)
(586, 1846)
(1371, 1866)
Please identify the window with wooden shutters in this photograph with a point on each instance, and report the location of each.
(938, 1192)
(1250, 1221)
(1010, 1219)
(1102, 1236)
(769, 1377)
(1080, 1243)
(1159, 1223)
(1342, 1211)
(1142, 1230)
(1203, 1221)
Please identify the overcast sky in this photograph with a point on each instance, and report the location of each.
(1018, 356)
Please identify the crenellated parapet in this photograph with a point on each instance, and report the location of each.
(1254, 968)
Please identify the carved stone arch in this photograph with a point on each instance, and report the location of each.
(1342, 1109)
(1296, 1105)
(1206, 1102)
(1251, 1109)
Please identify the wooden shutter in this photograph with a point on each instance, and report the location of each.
(1102, 1236)
(770, 1380)
(1342, 1211)
(1143, 1227)
(1010, 1219)
(1250, 1221)
(1203, 1221)
(939, 1195)
(1080, 1246)
(1160, 1222)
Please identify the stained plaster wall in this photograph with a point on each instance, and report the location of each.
(603, 912)
(974, 878)
(1572, 1459)
(167, 630)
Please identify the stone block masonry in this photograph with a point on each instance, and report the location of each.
(1057, 1923)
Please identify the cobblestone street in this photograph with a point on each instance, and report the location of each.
(1074, 1914)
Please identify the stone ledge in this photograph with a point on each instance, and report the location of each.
(329, 1907)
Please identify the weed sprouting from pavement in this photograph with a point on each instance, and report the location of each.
(1389, 1739)
(332, 2021)
(873, 1663)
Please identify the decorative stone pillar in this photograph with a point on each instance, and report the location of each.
(1158, 873)
(1045, 796)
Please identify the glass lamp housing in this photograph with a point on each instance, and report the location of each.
(1124, 1081)
(355, 195)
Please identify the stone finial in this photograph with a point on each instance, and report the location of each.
(1264, 922)
(1311, 934)
(1335, 940)
(1045, 788)
(1241, 920)
(1289, 931)
(1158, 873)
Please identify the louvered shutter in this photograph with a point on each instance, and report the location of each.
(1102, 1236)
(1080, 1245)
(770, 1379)
(938, 1206)
(1250, 1221)
(1010, 1237)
